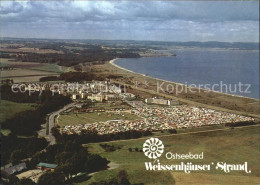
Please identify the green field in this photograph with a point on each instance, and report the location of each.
(53, 68)
(110, 105)
(233, 146)
(83, 118)
(9, 109)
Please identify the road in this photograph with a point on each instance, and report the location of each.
(52, 121)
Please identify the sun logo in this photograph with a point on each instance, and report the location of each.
(153, 148)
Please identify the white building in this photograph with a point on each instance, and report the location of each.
(74, 97)
(127, 96)
(161, 101)
(96, 97)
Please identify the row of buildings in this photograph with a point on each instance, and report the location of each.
(100, 97)
(95, 90)
(161, 101)
(72, 88)
(92, 87)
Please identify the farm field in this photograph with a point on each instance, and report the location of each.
(30, 71)
(83, 118)
(23, 72)
(26, 79)
(12, 63)
(25, 75)
(54, 68)
(234, 146)
(30, 50)
(9, 109)
(110, 106)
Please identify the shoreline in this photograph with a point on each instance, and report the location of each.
(112, 62)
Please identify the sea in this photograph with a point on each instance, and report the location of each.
(224, 70)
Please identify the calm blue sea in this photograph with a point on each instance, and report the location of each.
(201, 67)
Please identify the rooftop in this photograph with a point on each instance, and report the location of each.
(47, 165)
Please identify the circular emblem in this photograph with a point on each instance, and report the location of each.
(153, 148)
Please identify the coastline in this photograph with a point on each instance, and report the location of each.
(112, 62)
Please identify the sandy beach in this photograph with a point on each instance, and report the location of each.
(112, 62)
(198, 97)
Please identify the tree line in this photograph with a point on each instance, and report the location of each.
(93, 137)
(14, 149)
(28, 122)
(70, 55)
(71, 159)
(77, 77)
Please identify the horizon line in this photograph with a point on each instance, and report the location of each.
(41, 38)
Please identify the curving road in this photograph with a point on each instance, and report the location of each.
(52, 120)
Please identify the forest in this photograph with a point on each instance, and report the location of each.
(69, 54)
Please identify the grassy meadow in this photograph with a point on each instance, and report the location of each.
(83, 118)
(234, 146)
(52, 68)
(9, 109)
(30, 71)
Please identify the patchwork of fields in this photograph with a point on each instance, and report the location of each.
(29, 71)
(29, 50)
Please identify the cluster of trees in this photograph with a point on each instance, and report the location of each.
(38, 57)
(172, 131)
(71, 54)
(25, 123)
(114, 76)
(49, 78)
(121, 179)
(93, 136)
(51, 178)
(93, 55)
(110, 148)
(135, 149)
(19, 97)
(77, 76)
(55, 178)
(72, 77)
(238, 124)
(71, 159)
(13, 180)
(14, 149)
(28, 122)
